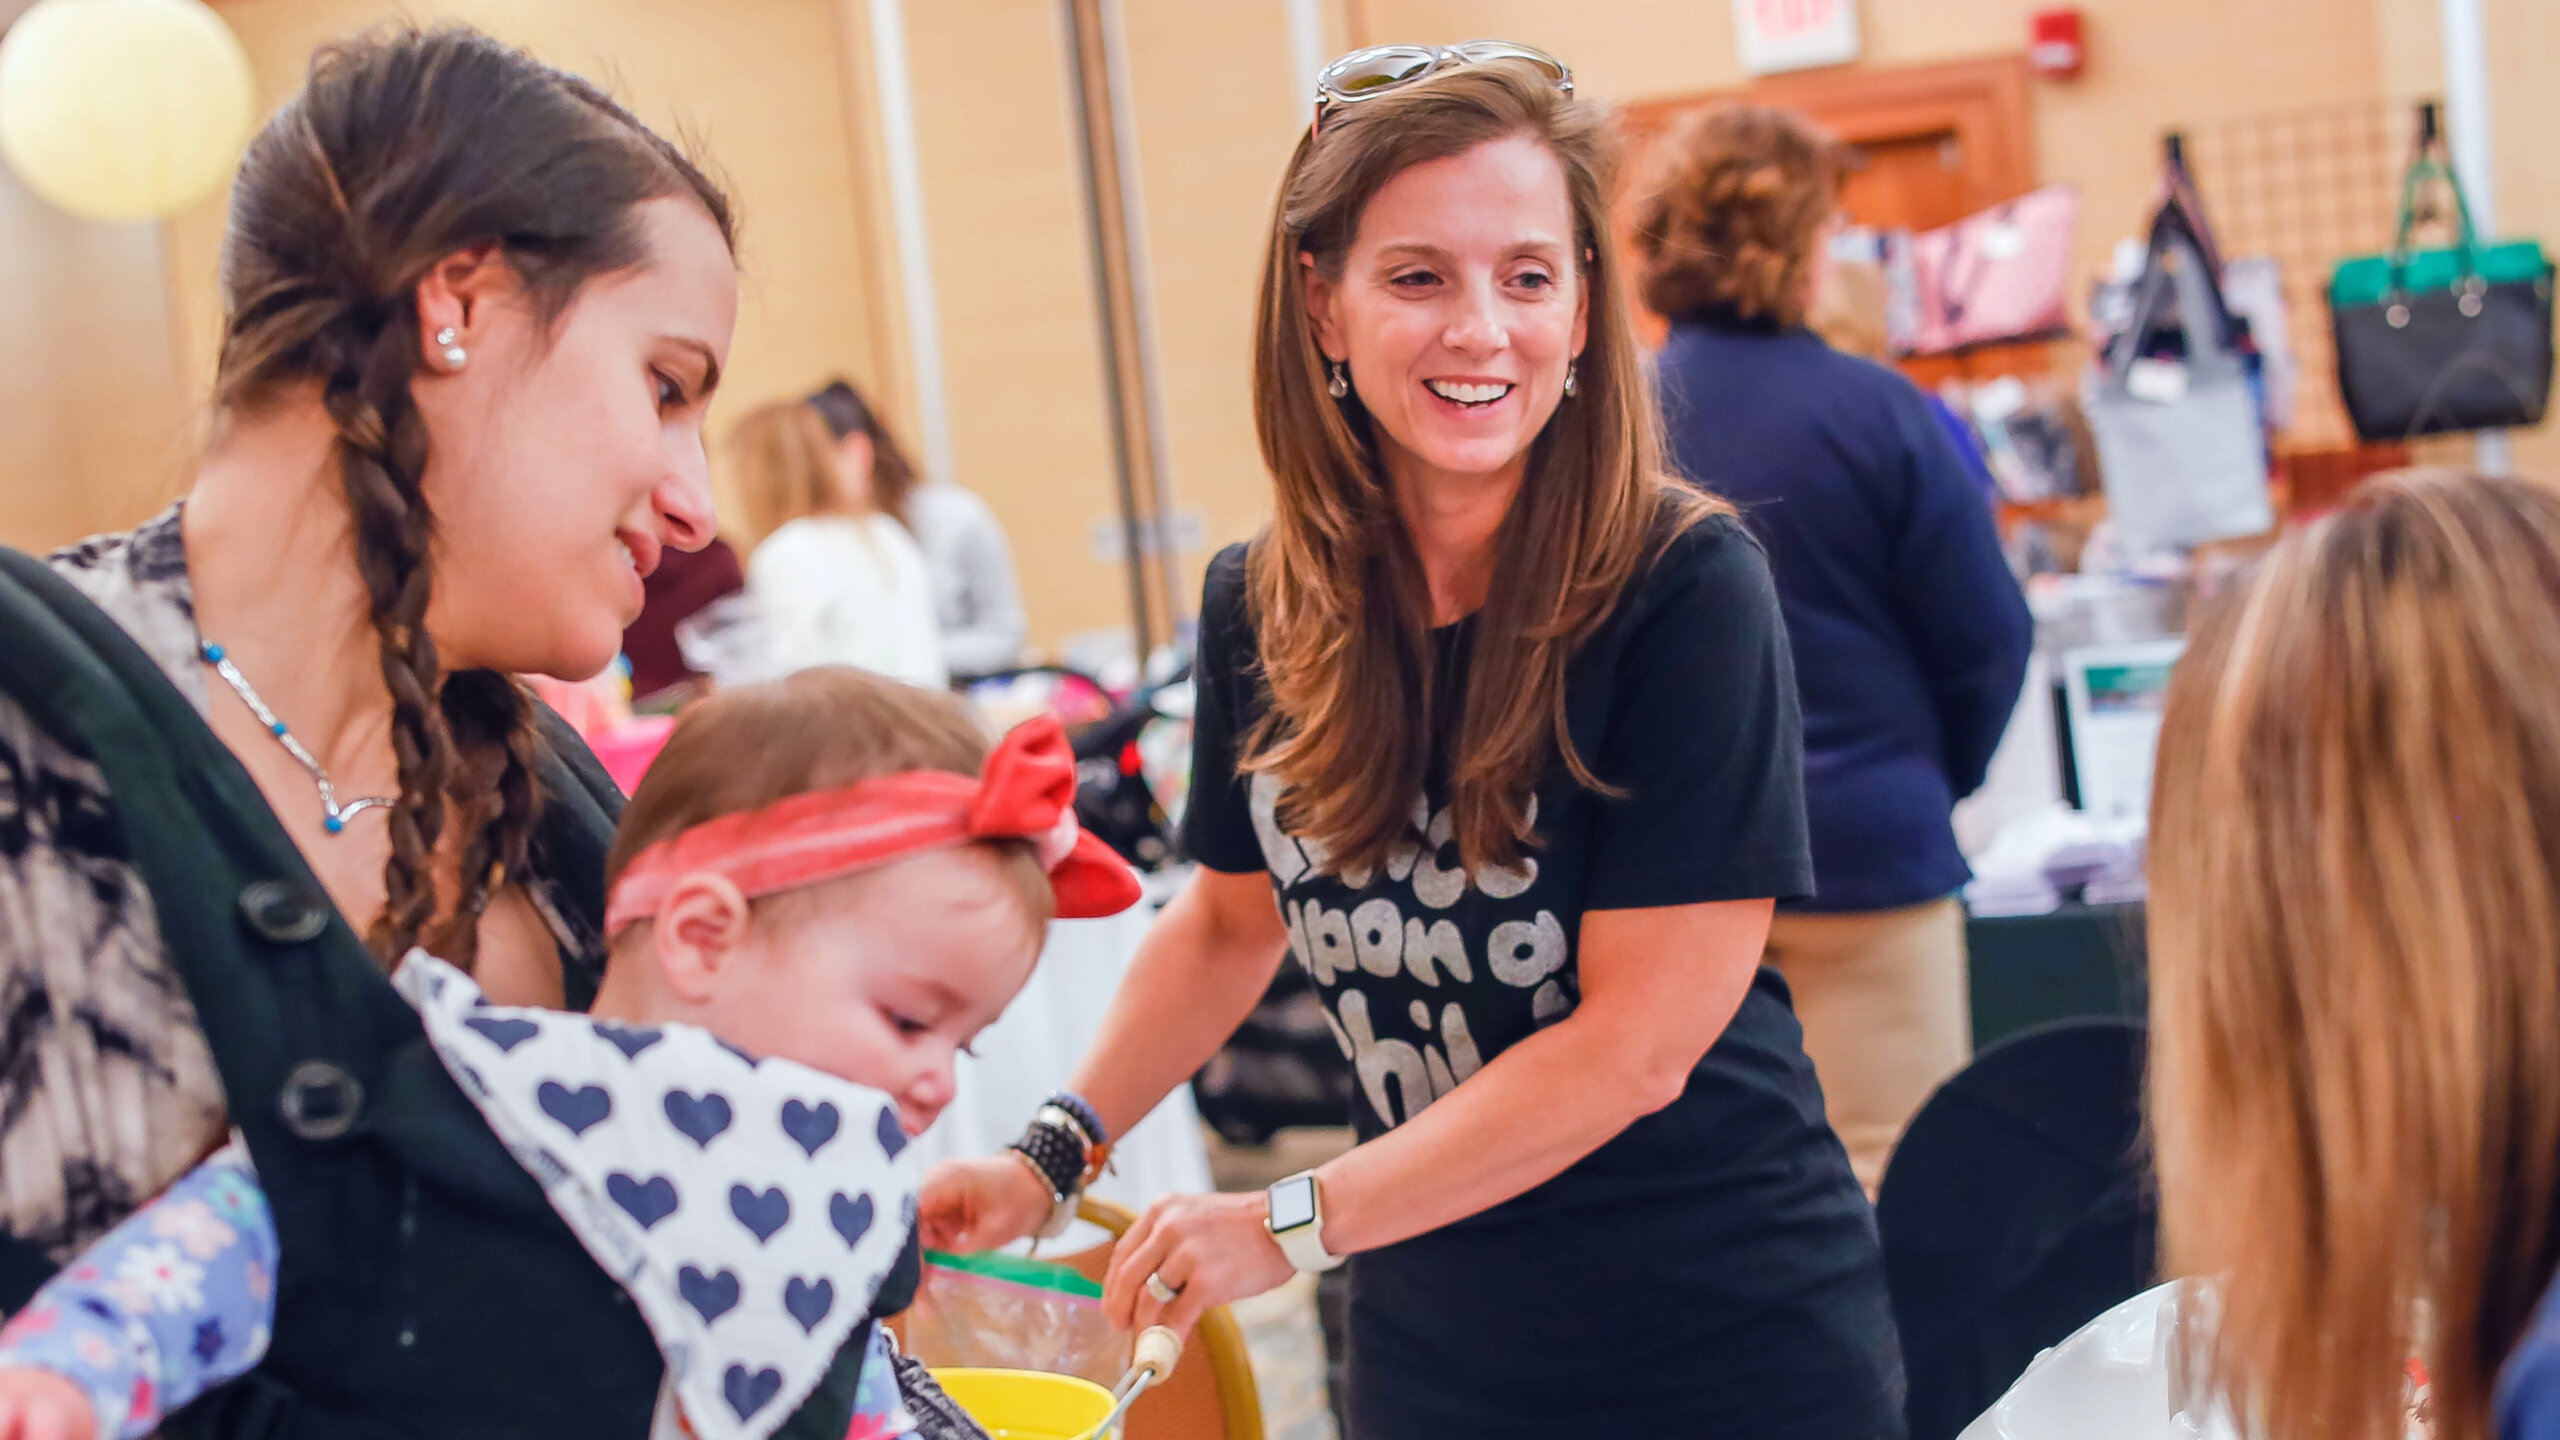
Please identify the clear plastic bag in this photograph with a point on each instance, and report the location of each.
(1005, 1312)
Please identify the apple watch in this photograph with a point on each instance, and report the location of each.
(1297, 1222)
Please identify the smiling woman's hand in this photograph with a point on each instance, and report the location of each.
(1211, 1250)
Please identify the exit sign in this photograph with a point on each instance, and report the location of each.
(1775, 35)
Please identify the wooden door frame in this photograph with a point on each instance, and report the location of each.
(1982, 102)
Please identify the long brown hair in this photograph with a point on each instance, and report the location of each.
(784, 464)
(893, 475)
(402, 149)
(2355, 958)
(1339, 604)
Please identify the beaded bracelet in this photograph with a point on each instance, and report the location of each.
(1082, 1111)
(1058, 1154)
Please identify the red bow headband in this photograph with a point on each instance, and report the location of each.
(1026, 792)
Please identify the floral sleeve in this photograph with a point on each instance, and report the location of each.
(174, 1301)
(879, 1410)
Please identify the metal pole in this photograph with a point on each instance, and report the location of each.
(1115, 295)
(915, 249)
(1142, 315)
(2466, 99)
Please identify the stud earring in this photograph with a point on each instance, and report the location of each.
(1572, 380)
(454, 355)
(1340, 383)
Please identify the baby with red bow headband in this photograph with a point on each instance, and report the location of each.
(824, 869)
(824, 889)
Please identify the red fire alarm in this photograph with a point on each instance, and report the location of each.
(2054, 47)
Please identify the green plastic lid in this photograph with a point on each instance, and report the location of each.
(1039, 1274)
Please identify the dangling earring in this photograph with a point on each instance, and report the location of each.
(455, 357)
(1340, 383)
(1572, 381)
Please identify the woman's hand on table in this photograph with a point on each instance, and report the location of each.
(1211, 1250)
(980, 1203)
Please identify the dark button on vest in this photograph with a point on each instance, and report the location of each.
(321, 1101)
(282, 913)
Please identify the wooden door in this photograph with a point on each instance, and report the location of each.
(1908, 182)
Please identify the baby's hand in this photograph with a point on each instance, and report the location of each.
(40, 1405)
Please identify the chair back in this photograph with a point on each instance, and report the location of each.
(2018, 1207)
(1211, 1395)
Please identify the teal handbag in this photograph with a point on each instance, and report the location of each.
(2432, 341)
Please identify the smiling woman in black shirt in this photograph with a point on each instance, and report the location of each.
(1497, 735)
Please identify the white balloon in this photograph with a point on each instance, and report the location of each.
(123, 109)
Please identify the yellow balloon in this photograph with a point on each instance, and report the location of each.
(123, 109)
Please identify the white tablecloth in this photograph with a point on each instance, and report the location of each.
(1030, 1053)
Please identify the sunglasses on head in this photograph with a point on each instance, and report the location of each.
(1380, 69)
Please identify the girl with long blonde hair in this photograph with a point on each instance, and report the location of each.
(1497, 733)
(834, 576)
(2355, 940)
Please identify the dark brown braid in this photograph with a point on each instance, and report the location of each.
(382, 455)
(402, 149)
(495, 801)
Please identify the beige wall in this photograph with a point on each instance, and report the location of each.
(97, 427)
(761, 90)
(1013, 280)
(2153, 65)
(780, 93)
(2524, 38)
(1208, 213)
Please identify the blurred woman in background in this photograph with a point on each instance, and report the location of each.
(1910, 634)
(833, 577)
(976, 599)
(2355, 1005)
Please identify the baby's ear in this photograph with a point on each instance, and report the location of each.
(701, 927)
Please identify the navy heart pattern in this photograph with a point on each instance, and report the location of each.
(723, 1246)
(698, 1118)
(647, 1201)
(503, 1031)
(810, 1128)
(808, 1303)
(629, 1042)
(711, 1296)
(579, 1110)
(852, 1218)
(763, 1214)
(747, 1393)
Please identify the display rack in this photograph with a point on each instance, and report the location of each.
(2308, 187)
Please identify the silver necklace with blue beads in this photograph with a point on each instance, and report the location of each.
(334, 815)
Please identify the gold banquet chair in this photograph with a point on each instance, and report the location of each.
(1211, 1394)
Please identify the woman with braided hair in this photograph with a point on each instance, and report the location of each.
(474, 312)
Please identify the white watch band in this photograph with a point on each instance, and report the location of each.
(1299, 1203)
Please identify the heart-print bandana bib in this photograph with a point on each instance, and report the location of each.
(752, 1208)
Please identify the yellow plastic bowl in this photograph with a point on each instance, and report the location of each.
(1027, 1404)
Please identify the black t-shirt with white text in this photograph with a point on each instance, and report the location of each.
(1724, 1236)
